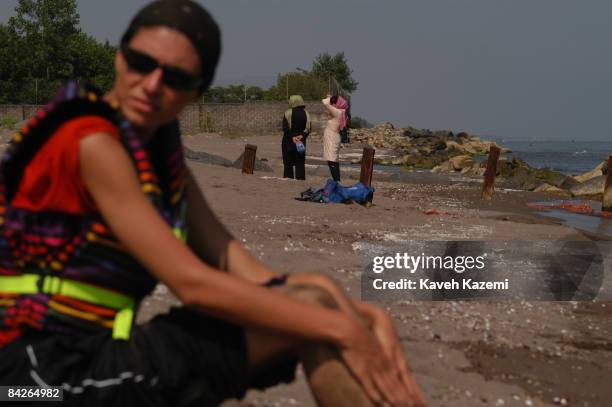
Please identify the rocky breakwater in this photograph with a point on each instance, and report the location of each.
(516, 173)
(419, 148)
(447, 152)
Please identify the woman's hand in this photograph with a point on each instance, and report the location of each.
(297, 139)
(377, 373)
(386, 334)
(378, 324)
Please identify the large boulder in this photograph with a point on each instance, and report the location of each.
(569, 183)
(595, 172)
(477, 169)
(552, 177)
(446, 166)
(523, 179)
(591, 188)
(461, 161)
(552, 189)
(384, 126)
(463, 148)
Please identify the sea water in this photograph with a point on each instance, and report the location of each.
(569, 157)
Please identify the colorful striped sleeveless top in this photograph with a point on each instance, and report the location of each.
(58, 246)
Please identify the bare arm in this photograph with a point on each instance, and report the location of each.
(136, 223)
(141, 229)
(331, 109)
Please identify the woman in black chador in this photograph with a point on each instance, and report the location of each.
(296, 127)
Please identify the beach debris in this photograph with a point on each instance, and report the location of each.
(606, 203)
(568, 207)
(576, 208)
(560, 401)
(580, 208)
(489, 175)
(538, 207)
(434, 211)
(248, 161)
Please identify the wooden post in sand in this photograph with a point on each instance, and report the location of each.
(606, 204)
(248, 159)
(489, 175)
(367, 166)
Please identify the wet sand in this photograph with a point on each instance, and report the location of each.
(477, 353)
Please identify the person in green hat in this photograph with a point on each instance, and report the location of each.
(296, 128)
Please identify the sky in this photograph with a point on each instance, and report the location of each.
(514, 69)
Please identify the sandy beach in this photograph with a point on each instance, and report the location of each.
(464, 353)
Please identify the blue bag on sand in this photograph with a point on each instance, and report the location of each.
(359, 193)
(331, 192)
(336, 193)
(312, 195)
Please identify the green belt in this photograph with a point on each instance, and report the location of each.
(37, 284)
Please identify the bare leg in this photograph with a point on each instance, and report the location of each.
(330, 380)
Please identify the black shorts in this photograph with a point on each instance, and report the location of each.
(182, 358)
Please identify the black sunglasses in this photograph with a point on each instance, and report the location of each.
(173, 77)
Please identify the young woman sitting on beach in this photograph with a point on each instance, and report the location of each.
(98, 206)
(336, 107)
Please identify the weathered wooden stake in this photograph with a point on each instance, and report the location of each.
(248, 159)
(367, 166)
(489, 175)
(606, 204)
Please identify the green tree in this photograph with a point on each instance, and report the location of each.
(255, 93)
(302, 83)
(225, 94)
(326, 65)
(92, 61)
(43, 28)
(43, 46)
(6, 64)
(233, 94)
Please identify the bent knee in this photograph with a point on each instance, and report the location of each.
(312, 294)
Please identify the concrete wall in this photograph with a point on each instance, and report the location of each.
(259, 117)
(18, 112)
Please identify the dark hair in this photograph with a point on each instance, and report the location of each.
(190, 19)
(333, 99)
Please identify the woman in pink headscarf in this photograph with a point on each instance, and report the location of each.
(336, 106)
